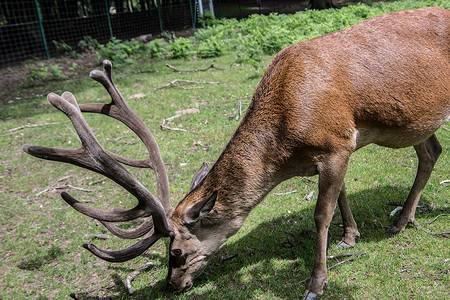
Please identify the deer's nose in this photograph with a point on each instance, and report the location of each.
(180, 286)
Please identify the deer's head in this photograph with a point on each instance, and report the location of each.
(193, 238)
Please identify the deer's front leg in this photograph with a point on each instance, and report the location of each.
(331, 178)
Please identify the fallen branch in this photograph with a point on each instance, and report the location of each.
(287, 193)
(236, 111)
(234, 62)
(425, 275)
(445, 233)
(354, 255)
(63, 187)
(345, 254)
(164, 126)
(437, 218)
(193, 70)
(174, 83)
(133, 274)
(397, 209)
(341, 262)
(96, 236)
(31, 126)
(225, 258)
(308, 179)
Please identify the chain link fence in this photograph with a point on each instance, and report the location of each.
(35, 29)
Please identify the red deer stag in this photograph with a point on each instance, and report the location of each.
(384, 81)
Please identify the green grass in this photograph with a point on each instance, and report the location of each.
(40, 247)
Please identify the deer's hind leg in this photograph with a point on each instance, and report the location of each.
(350, 229)
(428, 153)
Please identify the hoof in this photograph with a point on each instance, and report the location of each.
(343, 245)
(310, 295)
(393, 230)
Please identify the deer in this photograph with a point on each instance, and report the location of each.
(384, 81)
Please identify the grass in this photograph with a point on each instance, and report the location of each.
(40, 248)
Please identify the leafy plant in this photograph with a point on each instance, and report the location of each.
(89, 44)
(208, 19)
(212, 47)
(62, 48)
(181, 48)
(120, 52)
(156, 48)
(43, 73)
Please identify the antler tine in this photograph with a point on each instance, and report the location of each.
(132, 233)
(92, 156)
(128, 253)
(119, 109)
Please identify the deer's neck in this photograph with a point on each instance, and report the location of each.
(256, 159)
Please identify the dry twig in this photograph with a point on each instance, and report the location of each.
(193, 70)
(96, 236)
(31, 126)
(164, 126)
(425, 275)
(445, 233)
(63, 187)
(287, 193)
(352, 257)
(133, 274)
(225, 258)
(236, 111)
(175, 81)
(345, 254)
(437, 218)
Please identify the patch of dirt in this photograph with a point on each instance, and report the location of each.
(13, 80)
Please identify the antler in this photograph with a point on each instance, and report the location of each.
(91, 155)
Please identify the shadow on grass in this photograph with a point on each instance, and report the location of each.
(24, 108)
(37, 260)
(276, 258)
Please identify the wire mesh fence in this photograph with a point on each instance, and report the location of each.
(40, 28)
(32, 29)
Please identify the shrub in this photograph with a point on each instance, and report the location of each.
(181, 48)
(210, 48)
(120, 52)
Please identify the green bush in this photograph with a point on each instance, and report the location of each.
(210, 48)
(89, 44)
(156, 48)
(181, 48)
(120, 52)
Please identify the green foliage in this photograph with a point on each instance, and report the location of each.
(211, 47)
(89, 44)
(156, 48)
(43, 73)
(62, 48)
(181, 48)
(266, 35)
(120, 52)
(208, 19)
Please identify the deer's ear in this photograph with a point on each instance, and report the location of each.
(201, 209)
(199, 175)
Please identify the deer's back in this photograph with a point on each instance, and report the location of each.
(384, 81)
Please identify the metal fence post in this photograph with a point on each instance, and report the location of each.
(42, 29)
(158, 4)
(109, 19)
(194, 20)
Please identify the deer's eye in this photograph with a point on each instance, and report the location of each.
(176, 252)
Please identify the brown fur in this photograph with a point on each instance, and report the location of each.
(384, 81)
